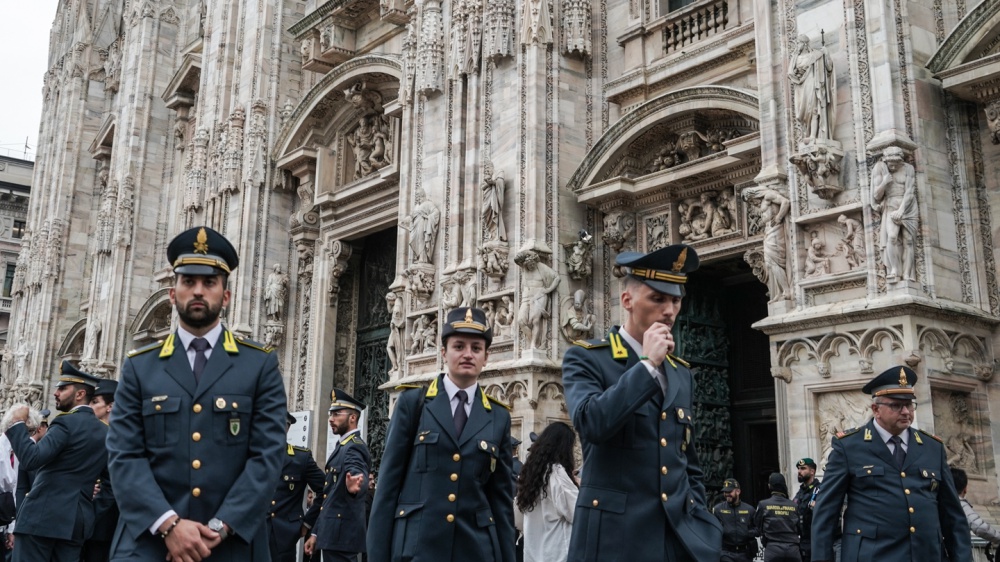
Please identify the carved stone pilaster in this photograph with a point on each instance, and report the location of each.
(125, 213)
(340, 254)
(256, 153)
(198, 173)
(430, 54)
(232, 152)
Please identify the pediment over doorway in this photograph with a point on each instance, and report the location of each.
(968, 61)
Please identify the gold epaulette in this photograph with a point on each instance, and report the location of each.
(846, 432)
(303, 449)
(149, 347)
(681, 361)
(497, 402)
(350, 438)
(931, 435)
(255, 345)
(402, 387)
(592, 344)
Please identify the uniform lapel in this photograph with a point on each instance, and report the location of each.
(477, 420)
(674, 382)
(440, 409)
(878, 446)
(914, 450)
(218, 363)
(633, 360)
(178, 366)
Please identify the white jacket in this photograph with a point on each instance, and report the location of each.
(548, 526)
(980, 528)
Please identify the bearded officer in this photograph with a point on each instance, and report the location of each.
(630, 401)
(736, 516)
(198, 429)
(901, 499)
(98, 546)
(285, 523)
(339, 521)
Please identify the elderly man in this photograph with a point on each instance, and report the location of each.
(901, 499)
(641, 498)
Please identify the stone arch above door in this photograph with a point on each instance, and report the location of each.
(153, 321)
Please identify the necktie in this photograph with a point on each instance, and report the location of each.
(200, 345)
(898, 453)
(461, 416)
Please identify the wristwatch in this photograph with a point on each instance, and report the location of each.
(218, 526)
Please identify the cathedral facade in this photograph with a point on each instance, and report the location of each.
(377, 162)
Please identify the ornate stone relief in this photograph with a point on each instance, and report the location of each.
(420, 281)
(957, 421)
(125, 214)
(430, 53)
(256, 170)
(539, 283)
(306, 256)
(232, 152)
(580, 257)
(957, 353)
(106, 217)
(894, 198)
(459, 289)
(197, 173)
(710, 215)
(578, 314)
(992, 110)
(371, 139)
(853, 243)
(619, 230)
(657, 232)
(839, 411)
(500, 314)
(423, 334)
(773, 211)
(536, 23)
(576, 27)
(422, 223)
(340, 255)
(817, 260)
(819, 163)
(498, 29)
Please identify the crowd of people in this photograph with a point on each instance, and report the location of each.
(185, 457)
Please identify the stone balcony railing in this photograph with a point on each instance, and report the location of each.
(694, 23)
(5, 303)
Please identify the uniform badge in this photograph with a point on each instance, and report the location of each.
(493, 464)
(220, 403)
(868, 434)
(234, 426)
(687, 434)
(680, 414)
(482, 445)
(291, 486)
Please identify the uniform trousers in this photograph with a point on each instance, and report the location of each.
(782, 552)
(730, 556)
(32, 548)
(337, 556)
(96, 551)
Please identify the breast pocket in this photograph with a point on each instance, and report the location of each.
(930, 479)
(160, 420)
(232, 418)
(869, 478)
(489, 456)
(424, 459)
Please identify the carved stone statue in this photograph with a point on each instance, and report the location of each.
(773, 211)
(493, 187)
(894, 195)
(397, 323)
(706, 218)
(423, 226)
(369, 142)
(619, 230)
(504, 318)
(275, 290)
(580, 262)
(540, 281)
(579, 323)
(815, 87)
(417, 335)
(817, 263)
(853, 242)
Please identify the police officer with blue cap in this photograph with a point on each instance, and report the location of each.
(57, 514)
(285, 523)
(901, 499)
(199, 424)
(631, 402)
(98, 546)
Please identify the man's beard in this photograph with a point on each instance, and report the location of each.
(803, 478)
(205, 318)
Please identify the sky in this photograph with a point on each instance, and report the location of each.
(24, 49)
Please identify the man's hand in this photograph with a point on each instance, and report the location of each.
(189, 541)
(20, 414)
(353, 483)
(310, 545)
(657, 342)
(10, 541)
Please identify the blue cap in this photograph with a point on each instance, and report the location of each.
(340, 400)
(467, 320)
(894, 382)
(72, 375)
(202, 251)
(106, 387)
(664, 270)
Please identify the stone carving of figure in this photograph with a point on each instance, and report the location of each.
(853, 242)
(275, 290)
(579, 264)
(397, 323)
(429, 335)
(711, 221)
(417, 335)
(22, 356)
(773, 211)
(540, 281)
(813, 81)
(423, 227)
(579, 324)
(466, 281)
(504, 317)
(90, 343)
(537, 26)
(894, 195)
(493, 192)
(368, 141)
(816, 261)
(619, 230)
(490, 309)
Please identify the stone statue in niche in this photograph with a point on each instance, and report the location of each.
(493, 187)
(369, 142)
(540, 282)
(579, 322)
(992, 110)
(580, 262)
(423, 226)
(817, 262)
(773, 211)
(894, 196)
(619, 230)
(275, 291)
(853, 243)
(815, 88)
(504, 318)
(960, 445)
(397, 324)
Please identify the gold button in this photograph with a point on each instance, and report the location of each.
(663, 441)
(196, 464)
(273, 502)
(912, 530)
(595, 503)
(859, 531)
(421, 438)
(324, 496)
(197, 408)
(402, 512)
(906, 491)
(196, 492)
(235, 406)
(158, 407)
(451, 497)
(911, 510)
(663, 470)
(456, 457)
(902, 475)
(196, 436)
(450, 518)
(454, 477)
(663, 497)
(869, 472)
(663, 415)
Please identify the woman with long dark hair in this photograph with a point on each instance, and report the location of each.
(546, 495)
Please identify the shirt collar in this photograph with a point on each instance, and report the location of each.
(632, 342)
(885, 435)
(452, 389)
(187, 337)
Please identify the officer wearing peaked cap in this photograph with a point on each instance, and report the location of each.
(444, 490)
(98, 546)
(901, 499)
(56, 516)
(736, 516)
(285, 523)
(338, 518)
(195, 446)
(630, 401)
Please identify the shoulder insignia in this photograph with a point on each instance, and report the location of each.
(592, 344)
(350, 438)
(144, 349)
(303, 449)
(432, 389)
(497, 402)
(618, 348)
(846, 432)
(932, 436)
(168, 347)
(290, 450)
(679, 360)
(402, 387)
(246, 342)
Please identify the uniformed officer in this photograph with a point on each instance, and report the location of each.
(285, 524)
(630, 401)
(444, 491)
(98, 546)
(198, 431)
(804, 501)
(57, 514)
(777, 523)
(736, 516)
(338, 520)
(901, 500)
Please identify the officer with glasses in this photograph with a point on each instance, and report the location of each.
(901, 499)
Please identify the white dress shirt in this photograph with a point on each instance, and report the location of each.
(885, 435)
(452, 389)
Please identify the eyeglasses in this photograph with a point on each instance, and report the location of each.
(898, 406)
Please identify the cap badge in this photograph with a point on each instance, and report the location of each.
(902, 377)
(679, 264)
(468, 315)
(201, 242)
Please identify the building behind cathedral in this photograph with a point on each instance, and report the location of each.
(834, 163)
